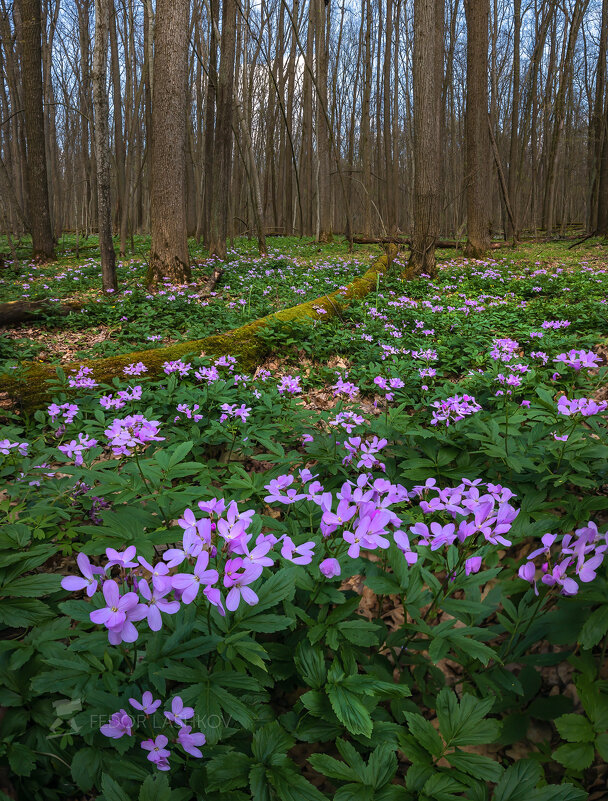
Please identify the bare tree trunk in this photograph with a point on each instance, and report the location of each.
(169, 249)
(364, 142)
(428, 48)
(119, 142)
(36, 168)
(102, 149)
(325, 233)
(596, 127)
(478, 164)
(222, 149)
(390, 185)
(559, 115)
(514, 144)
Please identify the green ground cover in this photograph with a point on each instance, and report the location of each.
(372, 568)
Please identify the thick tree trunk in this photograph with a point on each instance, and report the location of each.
(428, 48)
(36, 167)
(169, 249)
(478, 164)
(102, 148)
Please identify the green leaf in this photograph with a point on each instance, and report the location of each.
(442, 787)
(310, 664)
(602, 746)
(462, 723)
(476, 765)
(425, 733)
(350, 710)
(112, 791)
(360, 632)
(32, 586)
(574, 756)
(21, 759)
(86, 764)
(155, 788)
(595, 628)
(518, 781)
(332, 768)
(179, 453)
(269, 740)
(382, 765)
(563, 792)
(575, 728)
(228, 771)
(23, 612)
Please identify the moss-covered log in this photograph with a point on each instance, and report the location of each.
(30, 390)
(22, 311)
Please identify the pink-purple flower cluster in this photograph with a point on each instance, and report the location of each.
(82, 379)
(577, 359)
(585, 406)
(6, 446)
(289, 384)
(231, 410)
(579, 557)
(121, 724)
(76, 448)
(453, 409)
(127, 434)
(67, 411)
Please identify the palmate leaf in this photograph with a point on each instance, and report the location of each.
(461, 722)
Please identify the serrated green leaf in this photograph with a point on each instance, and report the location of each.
(155, 788)
(86, 763)
(574, 756)
(112, 791)
(476, 765)
(424, 732)
(332, 768)
(595, 627)
(575, 728)
(350, 710)
(518, 781)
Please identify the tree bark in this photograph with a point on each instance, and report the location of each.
(478, 164)
(102, 148)
(325, 233)
(169, 248)
(428, 48)
(36, 167)
(222, 148)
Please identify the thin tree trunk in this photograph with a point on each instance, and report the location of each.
(102, 148)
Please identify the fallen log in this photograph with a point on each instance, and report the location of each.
(29, 389)
(22, 311)
(402, 240)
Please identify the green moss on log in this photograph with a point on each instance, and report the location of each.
(30, 389)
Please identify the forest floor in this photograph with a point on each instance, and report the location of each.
(488, 378)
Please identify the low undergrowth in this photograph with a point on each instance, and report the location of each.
(374, 568)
